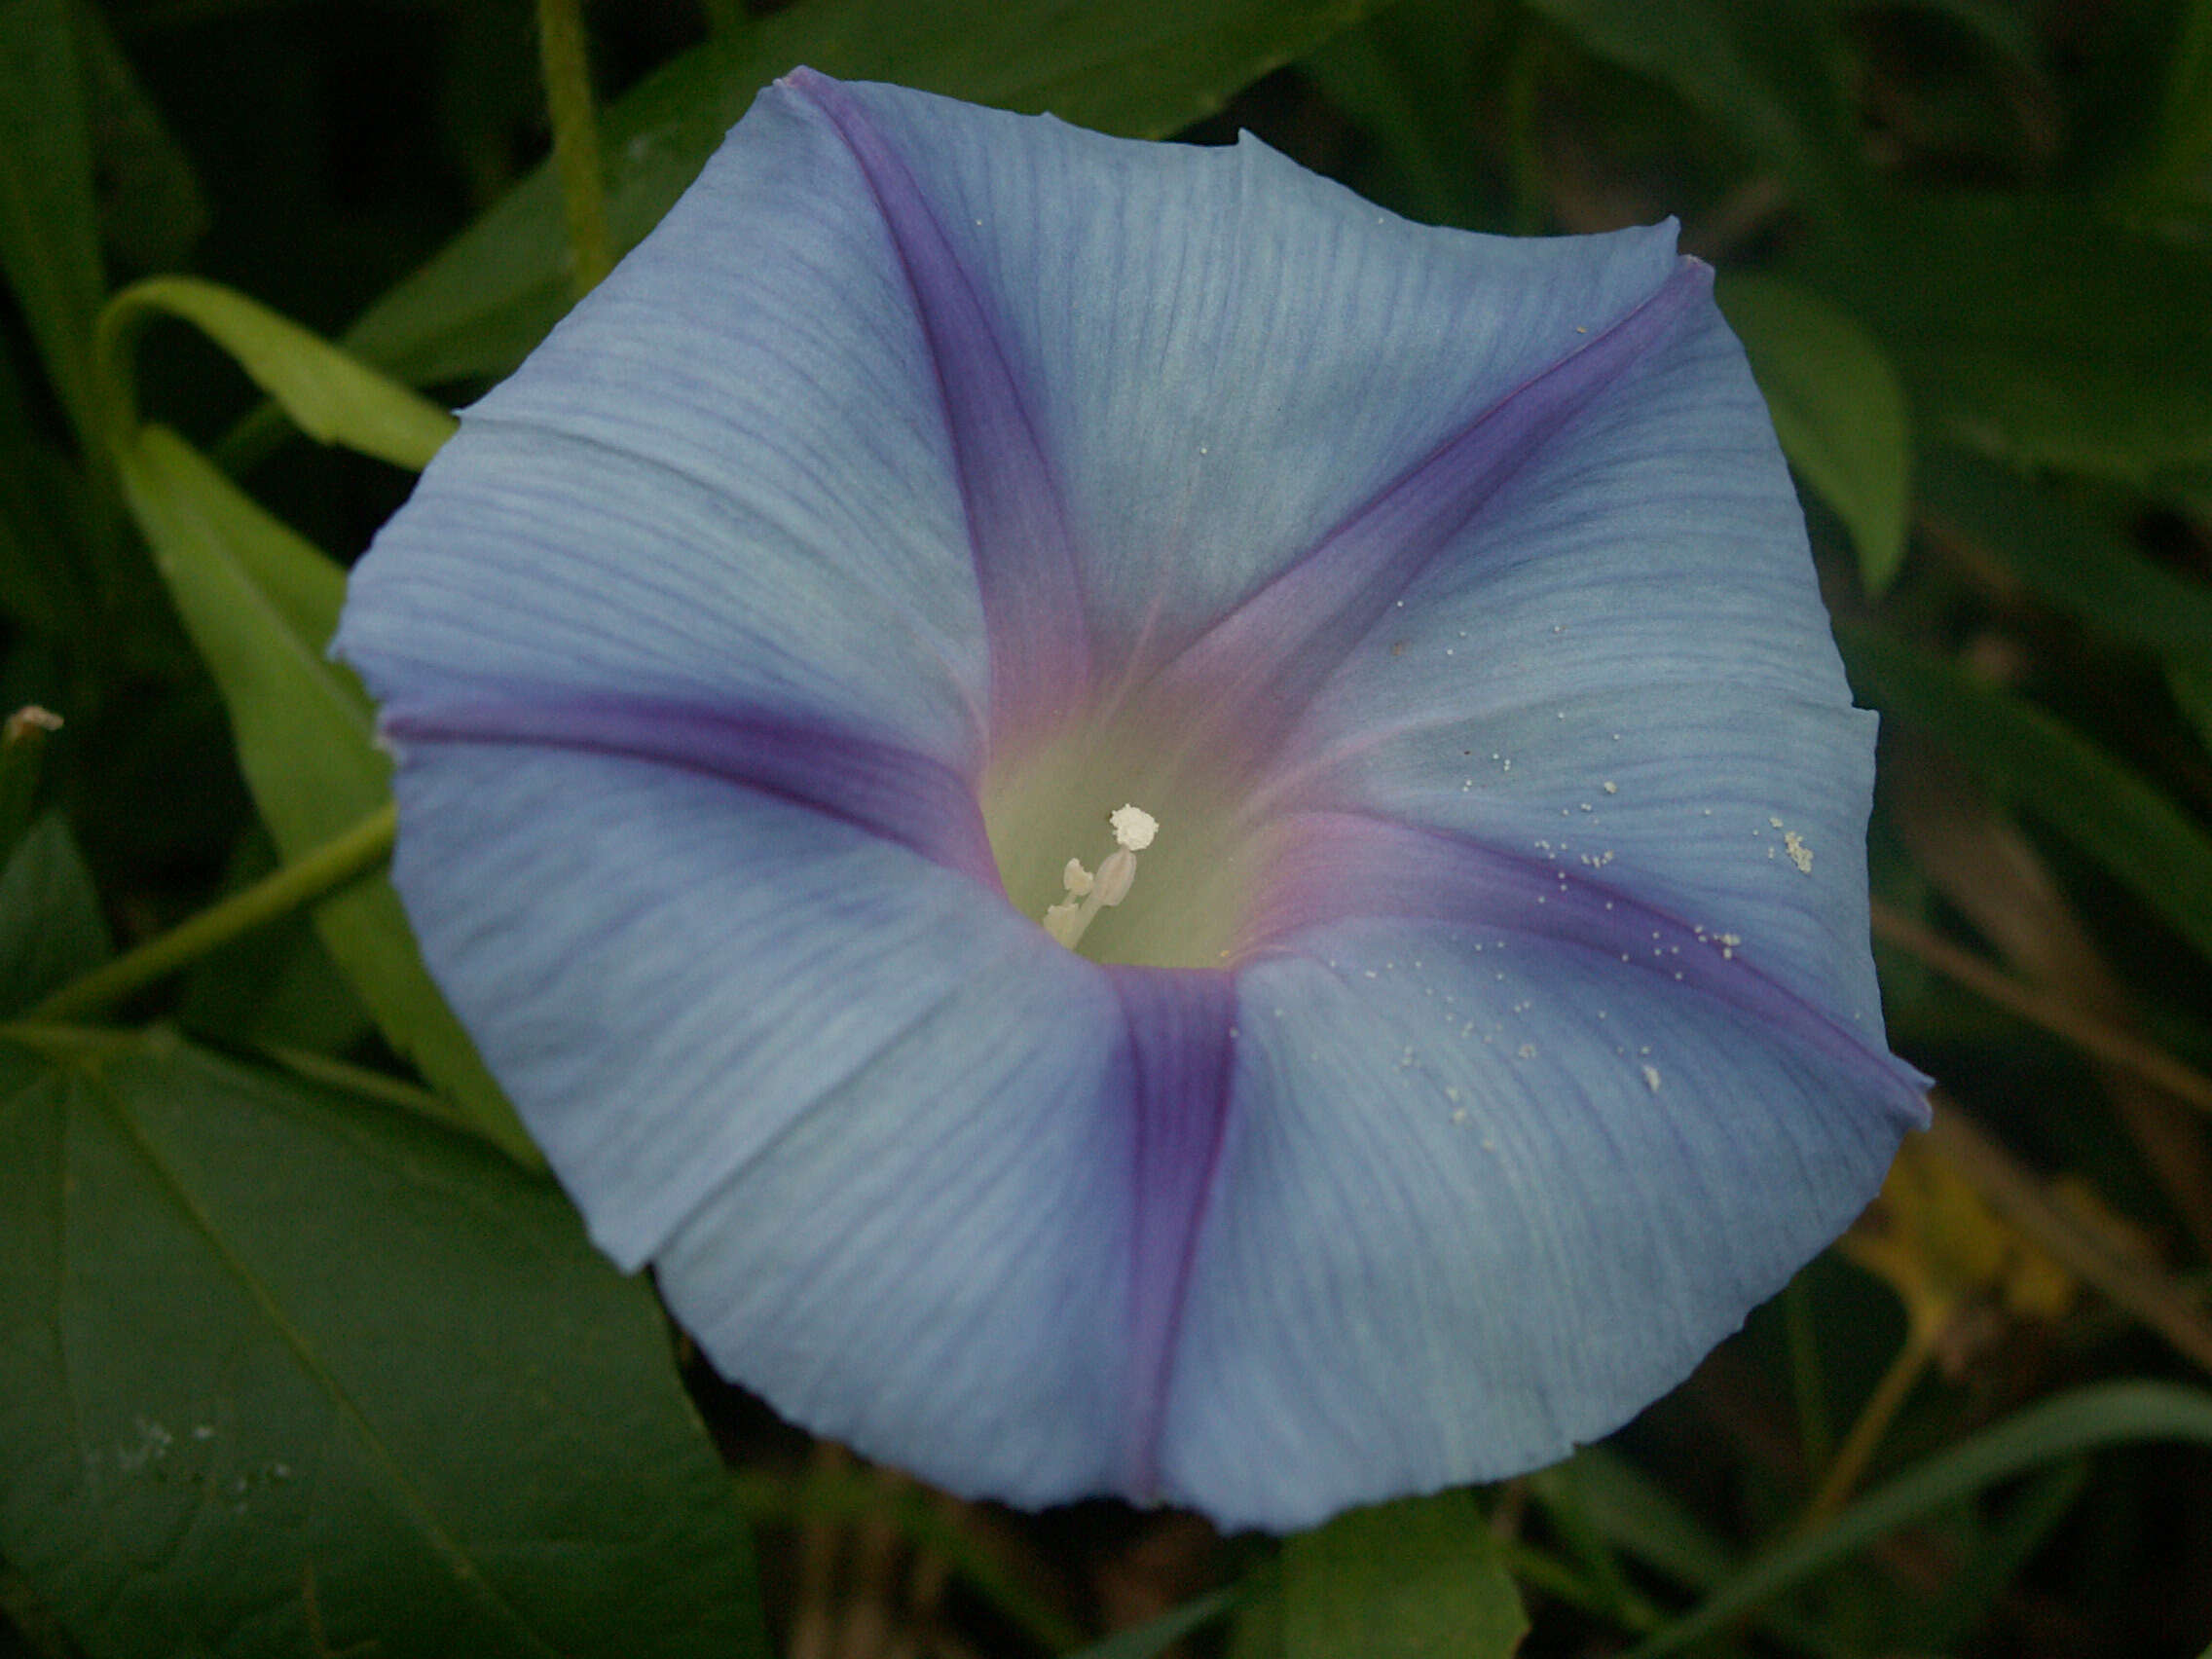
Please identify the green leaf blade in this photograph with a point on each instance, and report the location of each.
(284, 1374)
(1418, 1579)
(331, 395)
(260, 604)
(2066, 1426)
(1839, 407)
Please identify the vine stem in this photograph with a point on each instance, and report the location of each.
(1924, 1331)
(337, 861)
(565, 63)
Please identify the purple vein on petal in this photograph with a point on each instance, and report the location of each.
(1024, 559)
(890, 791)
(1180, 1049)
(1269, 656)
(1336, 865)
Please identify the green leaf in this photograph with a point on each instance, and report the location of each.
(260, 604)
(284, 1374)
(1418, 1579)
(51, 926)
(2053, 774)
(50, 249)
(1142, 68)
(2075, 560)
(2035, 329)
(333, 396)
(2113, 1414)
(1758, 68)
(1838, 408)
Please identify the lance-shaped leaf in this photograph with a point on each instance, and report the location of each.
(259, 603)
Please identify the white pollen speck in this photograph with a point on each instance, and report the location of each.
(1651, 1078)
(1800, 854)
(1526, 1051)
(1613, 787)
(1776, 823)
(1134, 827)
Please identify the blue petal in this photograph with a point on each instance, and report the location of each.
(726, 480)
(1222, 356)
(1460, 1227)
(1622, 667)
(665, 971)
(926, 1179)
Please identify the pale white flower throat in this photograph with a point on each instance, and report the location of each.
(1087, 892)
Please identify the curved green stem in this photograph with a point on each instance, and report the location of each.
(565, 61)
(330, 866)
(1924, 1330)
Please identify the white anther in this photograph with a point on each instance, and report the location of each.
(1075, 879)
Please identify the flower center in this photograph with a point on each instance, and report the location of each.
(1057, 800)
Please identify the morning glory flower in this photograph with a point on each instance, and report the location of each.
(1152, 833)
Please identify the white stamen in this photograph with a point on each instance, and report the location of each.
(1086, 894)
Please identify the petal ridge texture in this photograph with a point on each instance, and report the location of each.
(936, 480)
